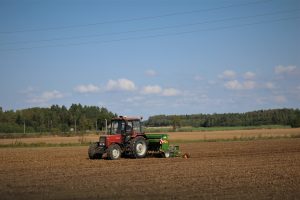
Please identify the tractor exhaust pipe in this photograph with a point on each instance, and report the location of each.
(105, 126)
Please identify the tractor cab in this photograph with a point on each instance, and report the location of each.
(125, 126)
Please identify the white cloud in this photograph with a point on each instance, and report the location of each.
(158, 90)
(249, 75)
(233, 85)
(270, 85)
(236, 85)
(248, 85)
(46, 96)
(52, 95)
(170, 92)
(120, 84)
(150, 72)
(280, 99)
(228, 74)
(284, 70)
(90, 88)
(152, 89)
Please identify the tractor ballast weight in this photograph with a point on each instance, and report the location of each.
(126, 138)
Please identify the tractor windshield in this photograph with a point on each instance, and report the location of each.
(117, 127)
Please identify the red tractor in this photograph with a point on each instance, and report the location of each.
(125, 138)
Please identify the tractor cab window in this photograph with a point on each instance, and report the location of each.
(129, 127)
(137, 126)
(132, 126)
(117, 127)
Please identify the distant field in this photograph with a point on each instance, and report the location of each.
(197, 129)
(233, 134)
(173, 136)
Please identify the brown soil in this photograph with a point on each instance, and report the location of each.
(266, 169)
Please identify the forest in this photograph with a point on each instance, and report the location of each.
(82, 119)
(56, 119)
(288, 117)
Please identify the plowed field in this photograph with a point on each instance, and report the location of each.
(265, 169)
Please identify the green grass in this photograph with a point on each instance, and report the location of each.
(18, 144)
(37, 135)
(197, 129)
(41, 144)
(146, 129)
(237, 139)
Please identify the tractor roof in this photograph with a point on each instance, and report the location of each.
(127, 118)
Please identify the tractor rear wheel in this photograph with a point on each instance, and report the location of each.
(94, 151)
(139, 147)
(113, 152)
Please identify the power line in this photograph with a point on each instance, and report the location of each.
(151, 29)
(134, 19)
(154, 36)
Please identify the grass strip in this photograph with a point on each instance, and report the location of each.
(207, 129)
(237, 139)
(41, 144)
(18, 144)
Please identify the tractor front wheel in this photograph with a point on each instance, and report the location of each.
(94, 151)
(114, 152)
(139, 147)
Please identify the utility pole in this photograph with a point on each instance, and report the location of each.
(75, 126)
(96, 126)
(24, 127)
(105, 126)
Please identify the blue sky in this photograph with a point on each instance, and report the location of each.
(151, 57)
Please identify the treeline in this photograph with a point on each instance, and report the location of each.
(290, 117)
(56, 119)
(78, 118)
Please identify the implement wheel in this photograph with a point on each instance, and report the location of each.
(165, 154)
(94, 151)
(139, 147)
(114, 152)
